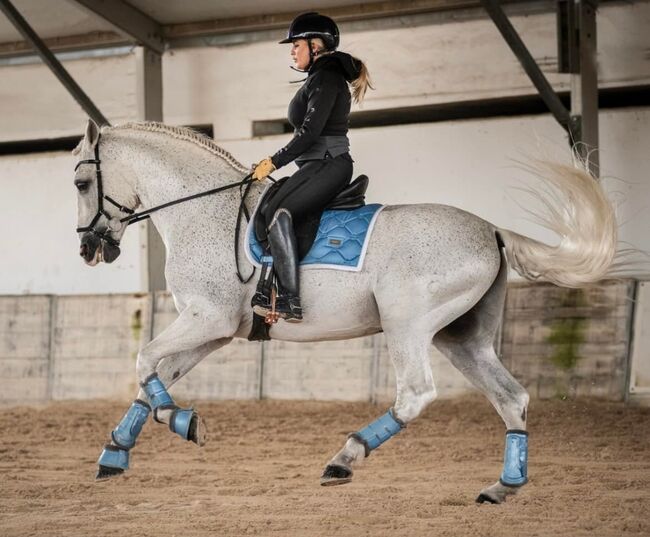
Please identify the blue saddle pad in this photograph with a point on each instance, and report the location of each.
(340, 243)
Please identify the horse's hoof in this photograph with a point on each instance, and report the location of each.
(106, 472)
(496, 493)
(484, 498)
(197, 432)
(335, 475)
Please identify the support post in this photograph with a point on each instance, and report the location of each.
(149, 106)
(546, 91)
(50, 60)
(584, 85)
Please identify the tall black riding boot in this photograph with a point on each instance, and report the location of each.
(285, 261)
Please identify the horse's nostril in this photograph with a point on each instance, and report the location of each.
(83, 250)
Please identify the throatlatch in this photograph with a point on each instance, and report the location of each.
(375, 434)
(515, 461)
(116, 455)
(180, 419)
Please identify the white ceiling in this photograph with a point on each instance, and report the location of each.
(57, 18)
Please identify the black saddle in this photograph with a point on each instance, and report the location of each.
(351, 197)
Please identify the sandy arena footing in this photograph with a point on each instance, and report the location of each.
(259, 473)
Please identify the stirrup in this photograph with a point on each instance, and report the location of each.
(261, 303)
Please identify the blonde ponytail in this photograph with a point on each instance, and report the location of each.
(361, 84)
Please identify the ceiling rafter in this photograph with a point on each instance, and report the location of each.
(118, 17)
(128, 21)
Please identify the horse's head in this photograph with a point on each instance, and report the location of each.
(100, 184)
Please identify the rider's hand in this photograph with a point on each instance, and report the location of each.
(263, 169)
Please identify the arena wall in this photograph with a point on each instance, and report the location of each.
(58, 344)
(557, 342)
(438, 60)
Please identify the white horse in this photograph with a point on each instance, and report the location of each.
(432, 274)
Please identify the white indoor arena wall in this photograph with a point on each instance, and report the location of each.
(463, 163)
(471, 164)
(38, 216)
(466, 163)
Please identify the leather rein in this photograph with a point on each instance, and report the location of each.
(115, 223)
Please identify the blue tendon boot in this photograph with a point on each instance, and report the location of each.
(183, 421)
(114, 460)
(371, 436)
(515, 461)
(374, 435)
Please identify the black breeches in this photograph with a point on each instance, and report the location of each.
(311, 188)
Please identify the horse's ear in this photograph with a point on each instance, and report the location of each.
(92, 134)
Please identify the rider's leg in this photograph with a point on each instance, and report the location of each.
(285, 260)
(305, 194)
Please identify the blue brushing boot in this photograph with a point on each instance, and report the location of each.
(184, 422)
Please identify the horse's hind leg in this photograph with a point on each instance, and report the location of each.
(409, 351)
(468, 342)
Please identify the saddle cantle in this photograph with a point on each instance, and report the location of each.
(336, 238)
(352, 196)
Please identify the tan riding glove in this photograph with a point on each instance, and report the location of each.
(263, 169)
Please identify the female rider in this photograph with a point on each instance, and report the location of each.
(319, 113)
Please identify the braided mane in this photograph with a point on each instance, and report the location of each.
(182, 133)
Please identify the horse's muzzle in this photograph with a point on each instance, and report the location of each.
(93, 250)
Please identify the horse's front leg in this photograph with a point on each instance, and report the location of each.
(162, 362)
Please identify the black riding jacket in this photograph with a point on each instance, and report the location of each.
(321, 107)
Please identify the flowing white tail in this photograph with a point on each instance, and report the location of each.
(578, 210)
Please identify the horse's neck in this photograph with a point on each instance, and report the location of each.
(167, 169)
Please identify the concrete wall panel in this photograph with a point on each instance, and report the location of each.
(449, 382)
(231, 372)
(24, 349)
(336, 370)
(557, 342)
(574, 344)
(96, 341)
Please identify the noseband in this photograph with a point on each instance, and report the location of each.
(133, 217)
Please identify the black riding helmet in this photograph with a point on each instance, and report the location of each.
(310, 25)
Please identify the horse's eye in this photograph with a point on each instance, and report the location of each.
(82, 186)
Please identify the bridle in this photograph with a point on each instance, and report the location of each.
(102, 235)
(133, 217)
